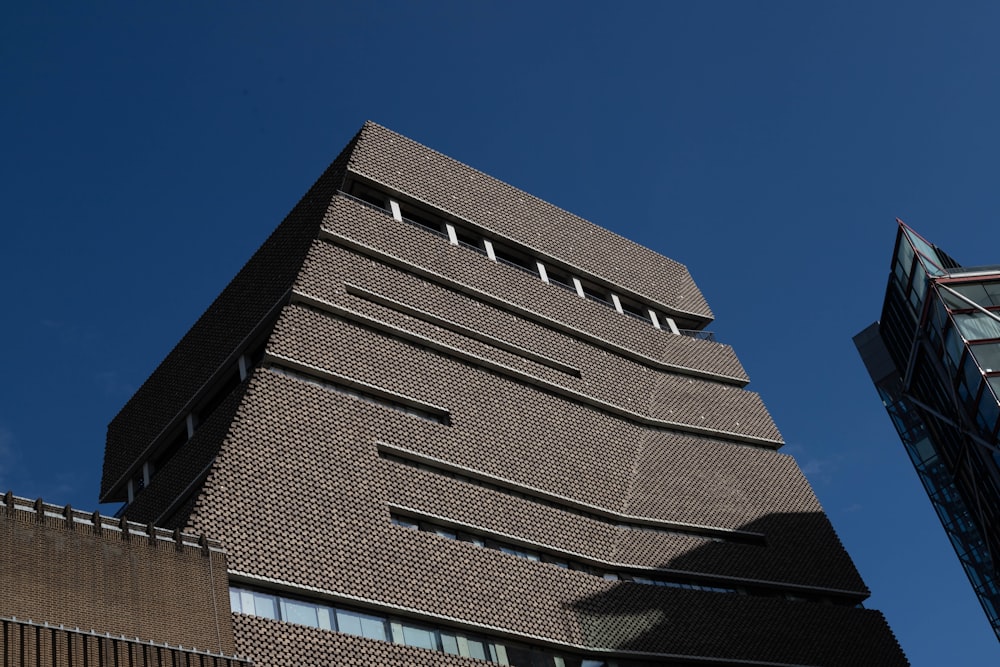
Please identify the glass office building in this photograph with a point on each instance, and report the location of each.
(935, 360)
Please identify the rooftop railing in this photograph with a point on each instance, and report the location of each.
(98, 523)
(697, 333)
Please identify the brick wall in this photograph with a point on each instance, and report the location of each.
(58, 567)
(371, 232)
(27, 644)
(425, 175)
(544, 391)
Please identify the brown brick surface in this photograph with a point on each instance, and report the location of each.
(94, 579)
(405, 368)
(329, 269)
(377, 234)
(428, 176)
(335, 534)
(169, 485)
(545, 392)
(24, 644)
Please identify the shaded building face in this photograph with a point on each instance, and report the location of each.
(935, 359)
(437, 420)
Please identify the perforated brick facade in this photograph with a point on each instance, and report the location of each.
(442, 441)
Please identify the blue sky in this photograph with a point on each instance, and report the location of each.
(148, 151)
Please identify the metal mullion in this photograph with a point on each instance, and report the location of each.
(964, 431)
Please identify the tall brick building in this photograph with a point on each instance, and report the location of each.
(435, 419)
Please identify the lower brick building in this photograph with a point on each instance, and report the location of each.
(82, 589)
(437, 421)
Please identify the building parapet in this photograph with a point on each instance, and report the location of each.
(99, 524)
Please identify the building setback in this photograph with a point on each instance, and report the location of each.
(935, 360)
(435, 419)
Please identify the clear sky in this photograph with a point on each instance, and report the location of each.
(148, 149)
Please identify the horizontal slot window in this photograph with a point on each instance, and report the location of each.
(635, 310)
(369, 197)
(698, 333)
(706, 533)
(461, 329)
(220, 388)
(569, 562)
(426, 222)
(406, 632)
(596, 293)
(538, 556)
(367, 397)
(408, 337)
(560, 279)
(514, 259)
(471, 239)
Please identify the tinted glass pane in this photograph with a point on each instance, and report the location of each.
(953, 345)
(919, 287)
(363, 625)
(265, 605)
(374, 627)
(924, 450)
(420, 637)
(952, 301)
(989, 410)
(478, 649)
(974, 292)
(905, 258)
(940, 316)
(972, 375)
(325, 618)
(977, 326)
(967, 397)
(899, 273)
(518, 656)
(449, 643)
(246, 602)
(349, 622)
(988, 356)
(234, 600)
(302, 613)
(928, 252)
